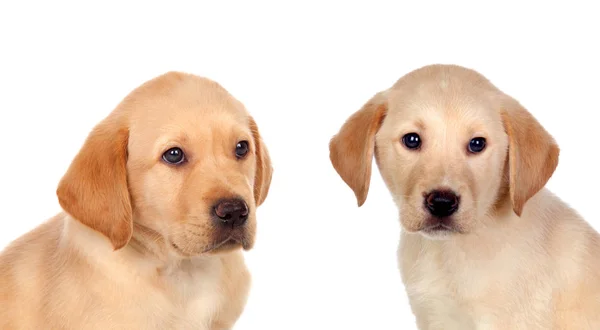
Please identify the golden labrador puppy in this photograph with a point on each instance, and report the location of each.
(484, 245)
(159, 203)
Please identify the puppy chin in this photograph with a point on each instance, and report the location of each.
(437, 235)
(431, 234)
(228, 246)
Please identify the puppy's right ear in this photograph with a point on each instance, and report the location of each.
(351, 150)
(94, 190)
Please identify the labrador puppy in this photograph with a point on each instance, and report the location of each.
(484, 244)
(158, 205)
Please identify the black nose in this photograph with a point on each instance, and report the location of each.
(231, 212)
(441, 203)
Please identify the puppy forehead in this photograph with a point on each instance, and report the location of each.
(439, 101)
(185, 103)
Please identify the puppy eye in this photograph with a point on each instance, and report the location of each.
(412, 140)
(476, 145)
(241, 149)
(174, 156)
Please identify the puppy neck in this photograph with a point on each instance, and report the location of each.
(149, 243)
(145, 255)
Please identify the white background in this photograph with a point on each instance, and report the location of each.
(301, 69)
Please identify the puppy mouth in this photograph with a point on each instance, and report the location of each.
(226, 243)
(438, 228)
(228, 238)
(441, 226)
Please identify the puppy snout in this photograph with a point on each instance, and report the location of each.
(442, 203)
(231, 212)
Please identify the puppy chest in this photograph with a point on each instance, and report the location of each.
(195, 300)
(175, 300)
(477, 297)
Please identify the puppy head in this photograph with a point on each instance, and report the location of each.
(179, 159)
(450, 147)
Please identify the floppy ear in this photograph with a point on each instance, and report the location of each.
(532, 154)
(94, 190)
(351, 150)
(264, 169)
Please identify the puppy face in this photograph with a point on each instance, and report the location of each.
(450, 147)
(179, 161)
(442, 154)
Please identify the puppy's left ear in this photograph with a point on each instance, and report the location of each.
(532, 154)
(264, 169)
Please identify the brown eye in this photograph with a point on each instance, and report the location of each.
(241, 149)
(174, 156)
(476, 145)
(412, 140)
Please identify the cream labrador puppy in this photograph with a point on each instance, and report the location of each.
(158, 205)
(484, 244)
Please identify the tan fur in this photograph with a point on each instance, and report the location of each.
(520, 258)
(352, 150)
(136, 246)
